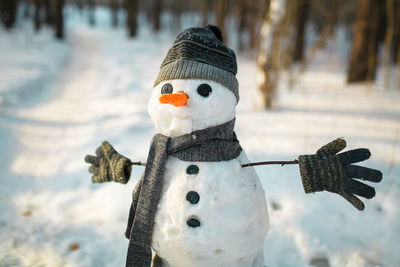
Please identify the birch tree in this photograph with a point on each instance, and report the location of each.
(268, 54)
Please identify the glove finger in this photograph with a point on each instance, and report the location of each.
(333, 147)
(99, 152)
(108, 150)
(104, 170)
(92, 160)
(355, 201)
(93, 169)
(364, 173)
(359, 189)
(97, 179)
(355, 155)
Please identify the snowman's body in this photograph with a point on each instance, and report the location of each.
(231, 210)
(225, 201)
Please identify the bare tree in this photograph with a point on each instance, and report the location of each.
(153, 10)
(26, 11)
(157, 7)
(332, 12)
(91, 7)
(59, 19)
(250, 13)
(368, 30)
(8, 12)
(205, 7)
(177, 9)
(48, 12)
(37, 17)
(131, 18)
(388, 40)
(220, 8)
(300, 24)
(269, 52)
(114, 6)
(80, 4)
(396, 34)
(255, 16)
(242, 13)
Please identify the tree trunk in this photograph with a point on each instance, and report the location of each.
(242, 13)
(253, 22)
(48, 12)
(220, 13)
(8, 13)
(300, 24)
(132, 12)
(92, 17)
(114, 13)
(37, 17)
(386, 62)
(59, 19)
(148, 6)
(27, 10)
(80, 4)
(367, 35)
(269, 52)
(396, 34)
(205, 9)
(177, 13)
(157, 7)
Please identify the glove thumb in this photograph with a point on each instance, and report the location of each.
(332, 147)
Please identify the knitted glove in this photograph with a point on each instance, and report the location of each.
(327, 170)
(109, 165)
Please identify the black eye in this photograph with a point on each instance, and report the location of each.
(204, 90)
(167, 89)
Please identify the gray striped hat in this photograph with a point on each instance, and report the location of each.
(199, 53)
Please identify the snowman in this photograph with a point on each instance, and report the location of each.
(199, 202)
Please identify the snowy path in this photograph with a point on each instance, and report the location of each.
(49, 140)
(48, 204)
(49, 131)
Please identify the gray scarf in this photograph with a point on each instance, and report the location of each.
(218, 143)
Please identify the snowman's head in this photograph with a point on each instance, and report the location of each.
(196, 87)
(182, 106)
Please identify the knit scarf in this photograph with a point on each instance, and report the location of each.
(218, 143)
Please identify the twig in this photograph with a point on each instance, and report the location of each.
(282, 163)
(138, 163)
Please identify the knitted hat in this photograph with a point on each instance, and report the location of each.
(199, 53)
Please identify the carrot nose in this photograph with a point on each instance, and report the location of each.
(178, 99)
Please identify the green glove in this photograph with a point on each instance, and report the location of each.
(327, 170)
(109, 165)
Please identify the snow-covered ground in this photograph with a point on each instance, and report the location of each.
(60, 100)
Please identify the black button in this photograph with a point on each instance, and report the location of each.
(193, 197)
(192, 169)
(193, 222)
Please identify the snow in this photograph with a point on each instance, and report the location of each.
(24, 63)
(60, 100)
